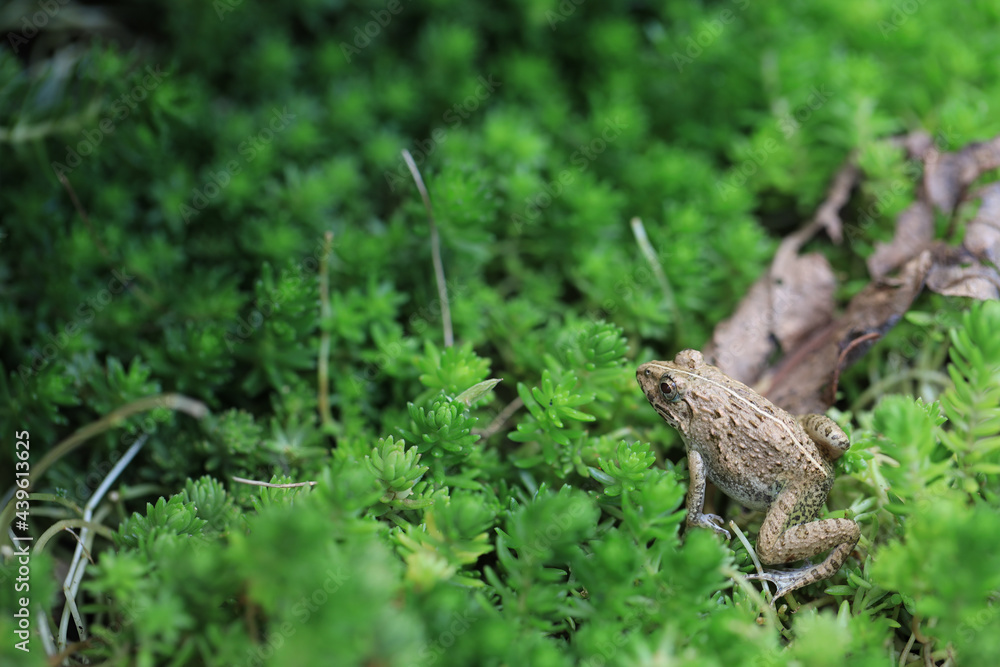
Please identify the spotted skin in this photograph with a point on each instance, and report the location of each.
(759, 455)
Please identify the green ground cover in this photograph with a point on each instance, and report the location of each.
(208, 200)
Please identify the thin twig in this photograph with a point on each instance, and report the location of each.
(905, 653)
(25, 132)
(323, 365)
(500, 419)
(750, 551)
(449, 338)
(67, 525)
(133, 287)
(177, 402)
(639, 231)
(843, 356)
(83, 214)
(77, 567)
(269, 485)
(915, 629)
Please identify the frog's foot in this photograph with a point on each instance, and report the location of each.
(713, 521)
(786, 581)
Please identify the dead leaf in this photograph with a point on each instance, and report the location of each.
(916, 143)
(791, 307)
(947, 175)
(882, 302)
(742, 344)
(801, 295)
(975, 281)
(828, 214)
(982, 237)
(958, 273)
(794, 297)
(914, 231)
(800, 383)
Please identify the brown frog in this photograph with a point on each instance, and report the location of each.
(759, 455)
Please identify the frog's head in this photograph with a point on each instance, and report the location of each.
(665, 384)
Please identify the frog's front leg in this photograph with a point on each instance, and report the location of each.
(788, 534)
(696, 496)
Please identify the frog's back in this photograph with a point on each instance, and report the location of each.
(751, 447)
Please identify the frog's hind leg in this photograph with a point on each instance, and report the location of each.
(826, 434)
(787, 581)
(788, 535)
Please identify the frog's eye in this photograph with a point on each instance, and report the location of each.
(669, 389)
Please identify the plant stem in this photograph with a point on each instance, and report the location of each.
(639, 231)
(323, 363)
(449, 338)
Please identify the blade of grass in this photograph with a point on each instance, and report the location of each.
(323, 363)
(639, 231)
(449, 338)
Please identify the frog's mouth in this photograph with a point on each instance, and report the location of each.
(678, 414)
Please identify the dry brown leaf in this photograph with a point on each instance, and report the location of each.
(881, 303)
(914, 231)
(828, 214)
(947, 175)
(982, 237)
(793, 298)
(974, 281)
(957, 273)
(801, 382)
(801, 295)
(791, 306)
(742, 344)
(916, 143)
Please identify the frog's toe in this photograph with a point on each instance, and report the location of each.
(717, 523)
(784, 581)
(713, 521)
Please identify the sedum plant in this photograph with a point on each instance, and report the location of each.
(215, 259)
